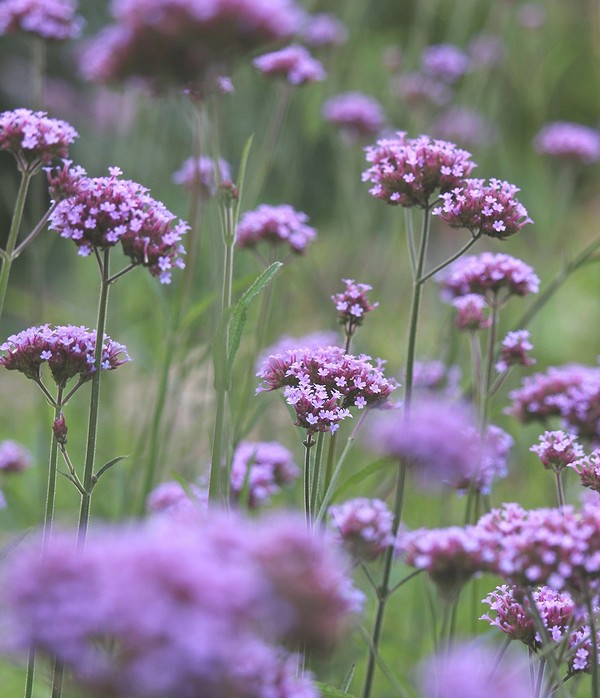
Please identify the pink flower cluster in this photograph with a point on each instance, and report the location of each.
(68, 350)
(364, 526)
(472, 312)
(445, 62)
(357, 115)
(352, 304)
(200, 174)
(556, 449)
(100, 212)
(324, 29)
(34, 138)
(588, 469)
(275, 225)
(514, 351)
(563, 139)
(53, 20)
(292, 63)
(322, 384)
(14, 457)
(484, 209)
(408, 171)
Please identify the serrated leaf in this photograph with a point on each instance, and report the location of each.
(328, 691)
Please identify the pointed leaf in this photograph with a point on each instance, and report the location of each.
(328, 691)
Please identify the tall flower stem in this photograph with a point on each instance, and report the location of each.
(90, 454)
(308, 443)
(560, 491)
(488, 392)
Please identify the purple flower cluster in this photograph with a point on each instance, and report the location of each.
(322, 384)
(352, 305)
(103, 211)
(472, 312)
(181, 42)
(261, 468)
(52, 20)
(68, 350)
(14, 457)
(201, 175)
(180, 608)
(514, 351)
(484, 209)
(466, 127)
(488, 275)
(556, 449)
(357, 115)
(588, 469)
(34, 138)
(324, 29)
(563, 139)
(364, 526)
(292, 63)
(445, 62)
(310, 342)
(492, 452)
(275, 225)
(407, 171)
(171, 499)
(416, 88)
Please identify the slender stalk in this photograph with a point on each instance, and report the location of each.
(30, 674)
(485, 405)
(35, 232)
(52, 469)
(315, 479)
(410, 238)
(594, 639)
(308, 444)
(451, 259)
(330, 460)
(560, 491)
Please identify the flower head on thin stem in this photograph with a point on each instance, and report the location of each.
(352, 305)
(445, 62)
(292, 63)
(355, 114)
(324, 29)
(201, 174)
(557, 449)
(275, 225)
(514, 351)
(569, 141)
(364, 526)
(588, 469)
(52, 20)
(471, 312)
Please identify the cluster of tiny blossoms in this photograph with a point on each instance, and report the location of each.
(275, 225)
(588, 469)
(322, 384)
(445, 62)
(563, 139)
(14, 457)
(54, 20)
(514, 351)
(556, 449)
(324, 29)
(68, 350)
(357, 115)
(484, 209)
(200, 174)
(364, 526)
(292, 63)
(471, 312)
(352, 304)
(103, 211)
(407, 171)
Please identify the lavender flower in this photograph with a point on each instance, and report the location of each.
(324, 29)
(513, 351)
(471, 312)
(171, 499)
(486, 50)
(556, 449)
(201, 175)
(263, 468)
(563, 139)
(531, 15)
(352, 305)
(292, 63)
(14, 457)
(445, 62)
(407, 172)
(52, 20)
(285, 343)
(364, 526)
(34, 138)
(417, 89)
(490, 209)
(357, 115)
(588, 469)
(104, 211)
(275, 225)
(466, 127)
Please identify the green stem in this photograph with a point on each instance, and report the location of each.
(329, 468)
(315, 479)
(308, 444)
(560, 491)
(594, 640)
(485, 406)
(451, 259)
(52, 469)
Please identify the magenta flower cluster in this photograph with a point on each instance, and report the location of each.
(472, 312)
(103, 211)
(14, 457)
(201, 175)
(357, 115)
(408, 171)
(445, 62)
(557, 449)
(588, 469)
(68, 350)
(275, 225)
(181, 608)
(563, 139)
(352, 304)
(52, 20)
(34, 138)
(292, 63)
(323, 29)
(484, 209)
(322, 384)
(364, 526)
(514, 351)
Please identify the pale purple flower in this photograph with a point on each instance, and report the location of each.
(514, 351)
(588, 469)
(105, 211)
(357, 115)
(445, 62)
(466, 127)
(292, 63)
(416, 88)
(14, 457)
(352, 305)
(311, 341)
(34, 138)
(484, 209)
(486, 50)
(52, 20)
(261, 468)
(407, 172)
(557, 449)
(472, 312)
(364, 526)
(63, 181)
(275, 225)
(171, 499)
(200, 174)
(571, 141)
(324, 29)
(531, 15)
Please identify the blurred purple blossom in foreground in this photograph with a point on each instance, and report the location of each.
(53, 20)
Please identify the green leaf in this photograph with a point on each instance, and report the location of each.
(241, 179)
(108, 465)
(328, 691)
(348, 679)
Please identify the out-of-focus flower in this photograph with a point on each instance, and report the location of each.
(200, 174)
(435, 377)
(563, 139)
(472, 312)
(34, 138)
(364, 526)
(292, 63)
(484, 209)
(170, 498)
(486, 50)
(275, 225)
(352, 305)
(466, 127)
(52, 20)
(357, 115)
(514, 351)
(445, 62)
(407, 171)
(14, 457)
(531, 15)
(324, 29)
(417, 88)
(103, 211)
(556, 449)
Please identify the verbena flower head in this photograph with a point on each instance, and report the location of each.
(105, 211)
(445, 62)
(292, 63)
(472, 312)
(489, 275)
(324, 29)
(275, 225)
(323, 384)
(364, 526)
(14, 457)
(310, 341)
(588, 469)
(514, 351)
(557, 449)
(171, 499)
(181, 42)
(570, 141)
(200, 174)
(357, 115)
(417, 89)
(261, 468)
(486, 50)
(68, 350)
(34, 138)
(353, 304)
(484, 209)
(409, 171)
(63, 181)
(466, 127)
(53, 20)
